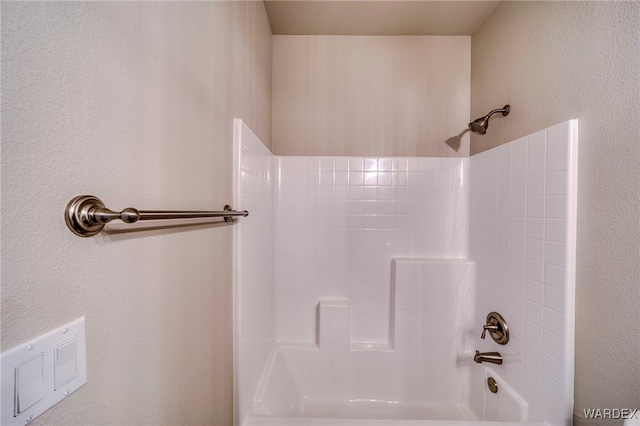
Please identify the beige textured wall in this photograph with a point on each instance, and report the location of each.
(371, 95)
(554, 61)
(131, 102)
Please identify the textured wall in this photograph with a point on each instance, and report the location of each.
(134, 103)
(371, 96)
(554, 61)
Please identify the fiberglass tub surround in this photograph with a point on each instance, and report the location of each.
(382, 274)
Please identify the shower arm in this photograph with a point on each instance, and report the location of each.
(505, 111)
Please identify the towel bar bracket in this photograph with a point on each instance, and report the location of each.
(86, 215)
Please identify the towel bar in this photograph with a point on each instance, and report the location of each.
(86, 215)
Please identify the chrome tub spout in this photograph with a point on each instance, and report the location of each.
(492, 357)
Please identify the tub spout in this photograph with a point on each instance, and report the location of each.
(492, 357)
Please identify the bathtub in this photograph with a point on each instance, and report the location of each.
(423, 374)
(307, 386)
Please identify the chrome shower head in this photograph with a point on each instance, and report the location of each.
(479, 126)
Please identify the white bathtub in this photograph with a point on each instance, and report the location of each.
(307, 386)
(423, 375)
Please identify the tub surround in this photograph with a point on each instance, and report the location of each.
(523, 198)
(253, 290)
(340, 220)
(371, 275)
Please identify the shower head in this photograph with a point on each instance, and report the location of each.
(479, 126)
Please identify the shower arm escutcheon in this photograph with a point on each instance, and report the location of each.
(497, 328)
(86, 215)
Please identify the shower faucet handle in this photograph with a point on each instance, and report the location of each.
(497, 327)
(488, 327)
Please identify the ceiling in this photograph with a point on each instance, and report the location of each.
(377, 17)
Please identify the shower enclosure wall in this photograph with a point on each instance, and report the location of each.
(362, 284)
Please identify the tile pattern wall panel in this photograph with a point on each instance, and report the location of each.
(522, 237)
(254, 271)
(339, 222)
(432, 298)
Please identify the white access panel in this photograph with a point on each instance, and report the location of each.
(38, 374)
